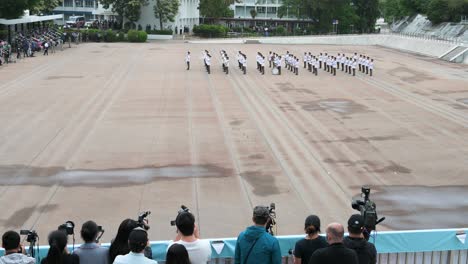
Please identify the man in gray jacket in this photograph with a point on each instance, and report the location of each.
(14, 250)
(91, 252)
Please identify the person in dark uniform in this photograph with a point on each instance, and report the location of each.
(336, 252)
(366, 252)
(305, 247)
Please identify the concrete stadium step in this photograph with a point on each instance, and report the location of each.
(452, 54)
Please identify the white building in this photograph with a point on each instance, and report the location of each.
(90, 9)
(266, 9)
(187, 17)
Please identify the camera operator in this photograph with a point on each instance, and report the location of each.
(137, 242)
(367, 254)
(255, 245)
(119, 246)
(90, 252)
(306, 247)
(58, 252)
(187, 234)
(14, 250)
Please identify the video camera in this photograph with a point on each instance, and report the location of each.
(142, 220)
(183, 209)
(32, 238)
(68, 228)
(31, 235)
(272, 220)
(367, 208)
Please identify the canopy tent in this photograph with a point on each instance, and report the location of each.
(29, 19)
(26, 20)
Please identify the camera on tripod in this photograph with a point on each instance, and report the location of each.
(143, 219)
(68, 228)
(368, 209)
(183, 209)
(31, 235)
(271, 223)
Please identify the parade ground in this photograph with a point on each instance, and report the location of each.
(103, 131)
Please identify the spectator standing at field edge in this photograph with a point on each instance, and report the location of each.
(336, 252)
(366, 252)
(199, 250)
(14, 250)
(137, 242)
(90, 252)
(307, 246)
(255, 245)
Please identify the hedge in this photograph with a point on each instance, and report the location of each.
(137, 36)
(210, 31)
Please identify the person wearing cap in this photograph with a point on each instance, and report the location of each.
(255, 245)
(307, 246)
(199, 250)
(91, 252)
(336, 252)
(366, 252)
(137, 242)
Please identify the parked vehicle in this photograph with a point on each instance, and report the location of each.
(76, 22)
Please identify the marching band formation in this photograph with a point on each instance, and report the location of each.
(312, 63)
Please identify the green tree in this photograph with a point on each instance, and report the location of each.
(367, 12)
(129, 9)
(253, 13)
(437, 11)
(166, 10)
(43, 6)
(11, 9)
(216, 8)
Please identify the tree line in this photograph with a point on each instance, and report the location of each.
(11, 9)
(437, 11)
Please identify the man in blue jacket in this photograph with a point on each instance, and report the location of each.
(255, 245)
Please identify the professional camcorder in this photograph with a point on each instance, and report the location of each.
(68, 228)
(31, 235)
(32, 238)
(143, 221)
(183, 209)
(367, 208)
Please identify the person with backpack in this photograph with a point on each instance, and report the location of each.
(367, 254)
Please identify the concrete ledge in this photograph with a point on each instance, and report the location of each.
(159, 37)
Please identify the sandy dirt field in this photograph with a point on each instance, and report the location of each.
(103, 131)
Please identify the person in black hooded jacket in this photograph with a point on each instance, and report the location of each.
(367, 254)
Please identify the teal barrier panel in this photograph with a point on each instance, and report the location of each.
(385, 242)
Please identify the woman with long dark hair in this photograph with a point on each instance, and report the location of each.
(306, 247)
(58, 253)
(177, 254)
(119, 246)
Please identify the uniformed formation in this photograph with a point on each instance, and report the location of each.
(291, 62)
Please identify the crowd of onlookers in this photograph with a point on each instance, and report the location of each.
(253, 245)
(27, 44)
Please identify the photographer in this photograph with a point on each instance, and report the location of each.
(306, 247)
(255, 245)
(90, 252)
(187, 235)
(367, 254)
(58, 253)
(137, 242)
(14, 250)
(119, 246)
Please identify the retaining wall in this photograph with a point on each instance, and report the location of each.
(428, 47)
